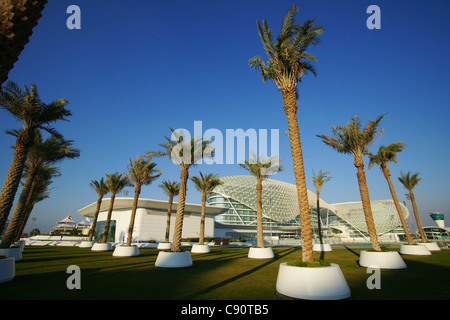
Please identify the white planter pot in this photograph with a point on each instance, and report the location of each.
(20, 244)
(15, 253)
(260, 253)
(173, 259)
(86, 244)
(322, 283)
(7, 269)
(432, 246)
(124, 251)
(322, 247)
(101, 247)
(164, 246)
(382, 260)
(414, 249)
(200, 248)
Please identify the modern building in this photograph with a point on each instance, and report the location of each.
(231, 213)
(439, 233)
(67, 225)
(150, 221)
(281, 218)
(438, 217)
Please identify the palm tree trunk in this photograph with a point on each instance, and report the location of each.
(290, 107)
(201, 239)
(94, 223)
(12, 180)
(365, 199)
(108, 218)
(319, 227)
(27, 211)
(176, 245)
(259, 220)
(416, 214)
(169, 211)
(387, 175)
(137, 191)
(15, 223)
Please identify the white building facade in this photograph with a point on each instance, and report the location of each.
(150, 220)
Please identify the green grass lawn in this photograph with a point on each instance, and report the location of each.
(223, 274)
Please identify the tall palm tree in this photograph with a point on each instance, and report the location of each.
(354, 140)
(205, 184)
(260, 168)
(171, 189)
(184, 152)
(140, 171)
(101, 189)
(17, 20)
(410, 181)
(319, 180)
(288, 61)
(384, 156)
(25, 106)
(115, 183)
(49, 151)
(40, 190)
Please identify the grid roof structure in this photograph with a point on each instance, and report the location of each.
(280, 203)
(384, 214)
(279, 199)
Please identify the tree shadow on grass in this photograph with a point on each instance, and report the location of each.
(352, 251)
(204, 291)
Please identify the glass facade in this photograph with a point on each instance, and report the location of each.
(281, 210)
(100, 228)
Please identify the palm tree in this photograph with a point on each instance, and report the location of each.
(385, 155)
(260, 168)
(410, 181)
(40, 190)
(287, 62)
(205, 184)
(171, 189)
(101, 189)
(50, 151)
(18, 18)
(351, 139)
(115, 183)
(26, 106)
(184, 153)
(318, 181)
(140, 171)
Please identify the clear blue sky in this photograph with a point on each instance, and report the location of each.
(134, 70)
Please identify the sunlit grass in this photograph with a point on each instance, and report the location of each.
(224, 274)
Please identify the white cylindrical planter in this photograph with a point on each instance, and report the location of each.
(101, 247)
(7, 269)
(321, 247)
(200, 248)
(321, 283)
(414, 249)
(164, 246)
(382, 260)
(432, 246)
(173, 259)
(260, 253)
(15, 253)
(20, 244)
(86, 244)
(125, 251)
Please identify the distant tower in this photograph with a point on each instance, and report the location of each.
(438, 217)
